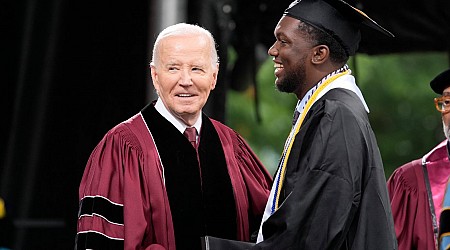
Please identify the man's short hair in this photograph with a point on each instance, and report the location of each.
(184, 29)
(316, 36)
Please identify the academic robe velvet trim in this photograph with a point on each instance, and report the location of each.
(200, 196)
(444, 222)
(125, 168)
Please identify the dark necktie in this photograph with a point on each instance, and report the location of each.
(191, 135)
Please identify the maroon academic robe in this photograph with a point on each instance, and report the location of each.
(125, 173)
(415, 213)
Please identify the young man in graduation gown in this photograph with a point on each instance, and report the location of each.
(329, 191)
(417, 188)
(146, 186)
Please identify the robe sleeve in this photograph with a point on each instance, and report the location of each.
(410, 208)
(114, 208)
(328, 186)
(257, 180)
(250, 179)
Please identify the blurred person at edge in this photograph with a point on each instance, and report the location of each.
(146, 186)
(416, 189)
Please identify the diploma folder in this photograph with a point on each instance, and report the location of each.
(213, 243)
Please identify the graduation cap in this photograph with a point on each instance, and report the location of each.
(335, 17)
(441, 82)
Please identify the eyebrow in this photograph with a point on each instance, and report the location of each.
(281, 35)
(172, 64)
(196, 65)
(278, 33)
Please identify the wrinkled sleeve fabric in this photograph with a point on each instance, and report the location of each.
(257, 181)
(410, 208)
(255, 175)
(115, 210)
(250, 179)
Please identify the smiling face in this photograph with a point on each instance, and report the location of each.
(446, 117)
(184, 74)
(291, 52)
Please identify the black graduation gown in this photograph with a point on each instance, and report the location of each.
(334, 195)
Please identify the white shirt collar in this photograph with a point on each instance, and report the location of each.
(345, 82)
(161, 108)
(302, 103)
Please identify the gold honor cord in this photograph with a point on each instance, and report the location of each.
(297, 128)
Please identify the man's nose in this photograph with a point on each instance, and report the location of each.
(273, 51)
(185, 78)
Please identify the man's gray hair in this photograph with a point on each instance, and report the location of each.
(182, 29)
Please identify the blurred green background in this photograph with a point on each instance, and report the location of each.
(396, 89)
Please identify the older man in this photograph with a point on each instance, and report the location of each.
(148, 186)
(417, 188)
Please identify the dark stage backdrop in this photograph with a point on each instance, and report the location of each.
(70, 70)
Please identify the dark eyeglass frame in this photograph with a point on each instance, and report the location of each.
(442, 104)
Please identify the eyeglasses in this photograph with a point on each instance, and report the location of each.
(442, 104)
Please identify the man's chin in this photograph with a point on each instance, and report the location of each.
(279, 85)
(284, 88)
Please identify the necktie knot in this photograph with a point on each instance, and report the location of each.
(191, 135)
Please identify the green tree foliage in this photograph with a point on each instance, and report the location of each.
(396, 88)
(403, 115)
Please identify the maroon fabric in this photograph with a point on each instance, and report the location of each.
(125, 168)
(250, 180)
(191, 135)
(410, 203)
(410, 209)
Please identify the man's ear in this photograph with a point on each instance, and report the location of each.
(215, 75)
(154, 76)
(321, 53)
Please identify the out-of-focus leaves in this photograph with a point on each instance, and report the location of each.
(396, 88)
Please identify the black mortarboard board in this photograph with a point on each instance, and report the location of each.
(441, 82)
(336, 18)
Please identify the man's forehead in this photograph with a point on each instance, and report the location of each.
(181, 60)
(193, 62)
(446, 91)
